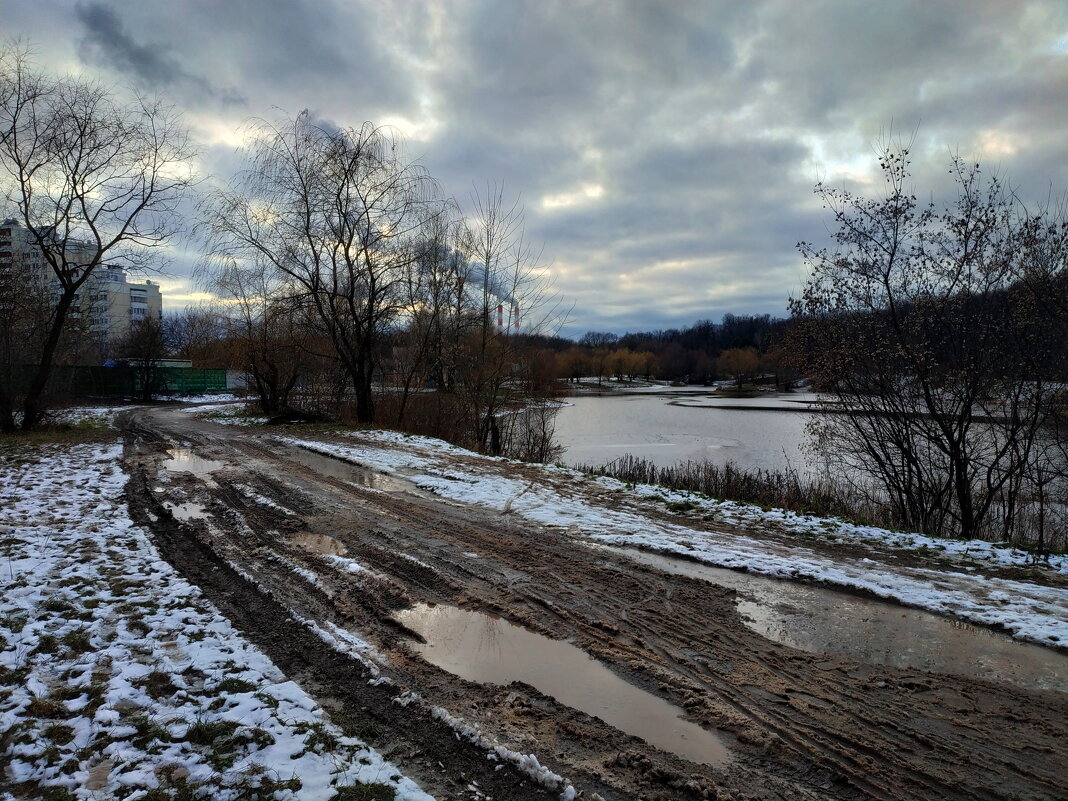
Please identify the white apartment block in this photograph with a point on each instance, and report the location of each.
(108, 301)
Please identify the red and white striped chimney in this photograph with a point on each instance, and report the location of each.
(500, 317)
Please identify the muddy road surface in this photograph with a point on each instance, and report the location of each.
(320, 563)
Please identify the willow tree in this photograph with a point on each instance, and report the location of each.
(336, 214)
(90, 179)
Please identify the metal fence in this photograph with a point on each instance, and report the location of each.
(117, 382)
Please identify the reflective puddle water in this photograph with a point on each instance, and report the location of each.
(186, 511)
(183, 460)
(319, 543)
(820, 620)
(350, 473)
(486, 649)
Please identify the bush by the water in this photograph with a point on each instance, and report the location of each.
(779, 489)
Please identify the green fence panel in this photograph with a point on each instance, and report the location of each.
(118, 382)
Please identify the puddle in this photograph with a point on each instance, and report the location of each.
(486, 649)
(186, 511)
(183, 460)
(350, 473)
(821, 620)
(319, 543)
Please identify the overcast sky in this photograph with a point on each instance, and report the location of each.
(665, 152)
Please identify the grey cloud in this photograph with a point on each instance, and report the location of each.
(704, 125)
(107, 42)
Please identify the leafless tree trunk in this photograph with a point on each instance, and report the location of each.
(513, 297)
(420, 352)
(338, 215)
(90, 180)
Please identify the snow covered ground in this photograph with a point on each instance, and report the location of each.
(117, 677)
(211, 397)
(226, 413)
(608, 511)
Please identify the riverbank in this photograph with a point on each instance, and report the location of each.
(980, 582)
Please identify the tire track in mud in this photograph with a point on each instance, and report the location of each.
(650, 771)
(429, 750)
(876, 761)
(808, 726)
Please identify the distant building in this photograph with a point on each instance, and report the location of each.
(108, 302)
(118, 303)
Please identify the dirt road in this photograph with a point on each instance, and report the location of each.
(797, 725)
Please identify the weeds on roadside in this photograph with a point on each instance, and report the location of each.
(364, 792)
(23, 444)
(768, 489)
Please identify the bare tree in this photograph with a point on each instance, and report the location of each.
(338, 215)
(91, 179)
(510, 295)
(268, 325)
(196, 332)
(145, 346)
(424, 342)
(742, 364)
(933, 356)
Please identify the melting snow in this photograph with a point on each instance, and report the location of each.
(1027, 610)
(115, 671)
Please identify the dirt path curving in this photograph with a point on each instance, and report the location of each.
(253, 533)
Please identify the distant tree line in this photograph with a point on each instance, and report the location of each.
(745, 348)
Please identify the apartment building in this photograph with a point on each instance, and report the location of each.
(108, 302)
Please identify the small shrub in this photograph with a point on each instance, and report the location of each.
(319, 738)
(48, 644)
(59, 733)
(148, 731)
(267, 787)
(157, 684)
(257, 737)
(11, 677)
(46, 708)
(178, 789)
(364, 729)
(365, 792)
(77, 641)
(57, 605)
(268, 699)
(681, 506)
(56, 794)
(202, 732)
(235, 686)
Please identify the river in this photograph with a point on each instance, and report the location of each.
(671, 427)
